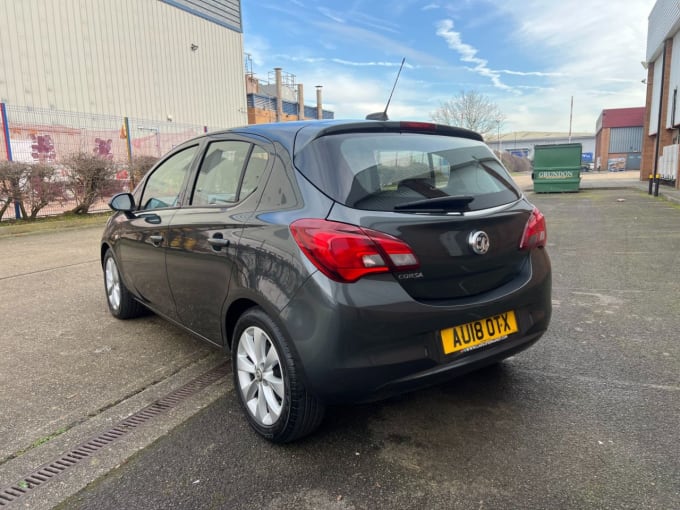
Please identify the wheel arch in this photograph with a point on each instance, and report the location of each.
(234, 312)
(102, 252)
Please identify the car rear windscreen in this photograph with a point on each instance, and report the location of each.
(406, 172)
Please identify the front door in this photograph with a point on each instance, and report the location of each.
(143, 244)
(204, 235)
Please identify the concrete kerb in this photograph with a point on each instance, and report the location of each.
(72, 480)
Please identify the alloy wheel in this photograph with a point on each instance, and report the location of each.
(260, 376)
(112, 278)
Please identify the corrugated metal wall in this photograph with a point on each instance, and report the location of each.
(141, 58)
(627, 139)
(663, 17)
(223, 12)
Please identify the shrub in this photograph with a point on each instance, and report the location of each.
(138, 168)
(515, 163)
(31, 186)
(90, 177)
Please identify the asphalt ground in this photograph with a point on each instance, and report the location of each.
(69, 370)
(587, 418)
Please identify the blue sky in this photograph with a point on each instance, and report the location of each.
(528, 56)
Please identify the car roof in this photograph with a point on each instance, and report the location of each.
(297, 134)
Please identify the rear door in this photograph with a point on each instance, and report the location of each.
(204, 235)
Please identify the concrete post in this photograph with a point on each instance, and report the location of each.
(301, 102)
(279, 99)
(319, 108)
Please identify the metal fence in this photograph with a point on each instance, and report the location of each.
(49, 136)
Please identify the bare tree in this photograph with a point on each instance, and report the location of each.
(470, 110)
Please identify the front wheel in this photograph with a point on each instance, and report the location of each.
(121, 303)
(268, 381)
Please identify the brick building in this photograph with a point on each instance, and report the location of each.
(618, 139)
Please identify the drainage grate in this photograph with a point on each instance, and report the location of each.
(48, 471)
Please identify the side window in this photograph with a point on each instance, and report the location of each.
(164, 185)
(256, 165)
(220, 178)
(220, 172)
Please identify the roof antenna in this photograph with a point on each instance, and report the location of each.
(383, 115)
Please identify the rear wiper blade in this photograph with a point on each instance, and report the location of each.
(457, 203)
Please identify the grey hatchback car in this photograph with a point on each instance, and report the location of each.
(335, 260)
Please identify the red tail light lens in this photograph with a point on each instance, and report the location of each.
(420, 126)
(346, 252)
(535, 234)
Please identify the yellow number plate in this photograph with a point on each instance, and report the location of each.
(473, 334)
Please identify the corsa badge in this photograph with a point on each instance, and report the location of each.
(479, 242)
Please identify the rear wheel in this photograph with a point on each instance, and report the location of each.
(121, 303)
(268, 381)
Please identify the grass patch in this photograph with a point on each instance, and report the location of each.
(10, 228)
(45, 439)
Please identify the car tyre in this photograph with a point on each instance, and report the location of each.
(268, 381)
(121, 303)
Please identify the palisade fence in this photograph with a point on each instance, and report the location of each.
(40, 135)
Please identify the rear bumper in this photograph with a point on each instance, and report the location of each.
(369, 339)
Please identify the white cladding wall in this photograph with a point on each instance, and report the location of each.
(663, 23)
(656, 94)
(673, 84)
(121, 57)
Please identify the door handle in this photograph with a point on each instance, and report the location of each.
(156, 240)
(218, 242)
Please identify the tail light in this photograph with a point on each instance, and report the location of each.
(421, 126)
(535, 234)
(346, 252)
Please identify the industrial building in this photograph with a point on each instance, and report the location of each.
(522, 143)
(618, 140)
(165, 60)
(130, 77)
(280, 98)
(661, 138)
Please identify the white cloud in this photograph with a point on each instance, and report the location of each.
(343, 62)
(331, 15)
(592, 55)
(468, 54)
(527, 73)
(257, 48)
(361, 37)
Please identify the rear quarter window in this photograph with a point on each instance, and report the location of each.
(381, 171)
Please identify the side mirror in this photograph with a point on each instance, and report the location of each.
(123, 202)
